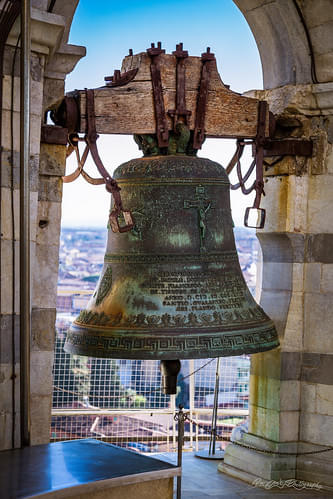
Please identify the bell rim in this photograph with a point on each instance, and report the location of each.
(195, 344)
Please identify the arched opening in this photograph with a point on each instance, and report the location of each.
(126, 384)
(136, 27)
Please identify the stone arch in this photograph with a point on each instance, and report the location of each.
(292, 36)
(281, 41)
(282, 33)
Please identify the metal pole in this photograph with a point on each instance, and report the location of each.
(212, 433)
(216, 402)
(173, 408)
(191, 394)
(180, 417)
(25, 305)
(211, 452)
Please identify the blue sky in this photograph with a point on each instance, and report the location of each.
(109, 28)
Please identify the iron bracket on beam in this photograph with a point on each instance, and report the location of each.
(53, 134)
(119, 79)
(208, 61)
(67, 114)
(180, 111)
(162, 129)
(288, 147)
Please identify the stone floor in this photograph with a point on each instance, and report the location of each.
(202, 480)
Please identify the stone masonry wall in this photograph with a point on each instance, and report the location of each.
(300, 203)
(10, 229)
(291, 388)
(51, 59)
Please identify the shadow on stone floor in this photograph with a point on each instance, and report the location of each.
(202, 480)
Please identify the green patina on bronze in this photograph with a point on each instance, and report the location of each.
(180, 142)
(172, 287)
(201, 320)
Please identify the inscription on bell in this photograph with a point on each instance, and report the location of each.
(190, 291)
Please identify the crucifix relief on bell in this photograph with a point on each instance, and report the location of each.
(202, 204)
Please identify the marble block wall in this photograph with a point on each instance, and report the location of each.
(291, 388)
(51, 59)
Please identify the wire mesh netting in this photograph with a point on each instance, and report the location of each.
(121, 401)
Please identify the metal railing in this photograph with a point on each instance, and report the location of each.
(151, 427)
(197, 432)
(164, 439)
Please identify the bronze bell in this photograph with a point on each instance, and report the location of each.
(172, 288)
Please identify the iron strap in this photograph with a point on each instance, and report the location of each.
(236, 161)
(120, 79)
(259, 154)
(91, 139)
(257, 163)
(162, 128)
(180, 110)
(208, 62)
(236, 157)
(74, 146)
(110, 184)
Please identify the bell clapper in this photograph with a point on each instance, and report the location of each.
(170, 370)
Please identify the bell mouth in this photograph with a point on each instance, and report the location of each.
(189, 343)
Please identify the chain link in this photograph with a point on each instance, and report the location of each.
(203, 427)
(249, 447)
(264, 451)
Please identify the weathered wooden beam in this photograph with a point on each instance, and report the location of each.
(129, 109)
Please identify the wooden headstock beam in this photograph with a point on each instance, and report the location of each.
(128, 108)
